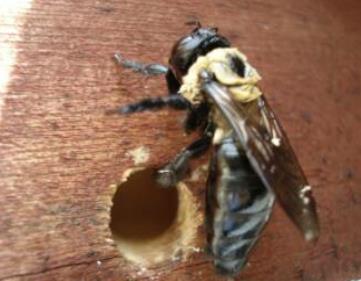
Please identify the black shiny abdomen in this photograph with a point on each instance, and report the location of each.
(238, 206)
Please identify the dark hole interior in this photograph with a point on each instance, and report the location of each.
(141, 209)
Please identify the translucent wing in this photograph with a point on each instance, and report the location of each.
(270, 154)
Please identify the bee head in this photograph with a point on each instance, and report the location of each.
(187, 49)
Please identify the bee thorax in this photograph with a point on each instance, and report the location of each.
(219, 64)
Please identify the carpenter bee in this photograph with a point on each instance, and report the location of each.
(252, 160)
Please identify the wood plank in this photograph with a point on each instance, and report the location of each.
(60, 153)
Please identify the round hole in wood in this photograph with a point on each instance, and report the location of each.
(141, 209)
(151, 224)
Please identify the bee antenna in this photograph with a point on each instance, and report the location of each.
(195, 22)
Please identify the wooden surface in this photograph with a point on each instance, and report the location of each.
(59, 152)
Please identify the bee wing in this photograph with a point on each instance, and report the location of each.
(270, 154)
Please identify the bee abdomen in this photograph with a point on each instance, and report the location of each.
(238, 206)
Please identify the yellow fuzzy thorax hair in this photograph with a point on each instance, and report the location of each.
(217, 62)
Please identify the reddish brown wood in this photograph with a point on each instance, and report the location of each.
(59, 152)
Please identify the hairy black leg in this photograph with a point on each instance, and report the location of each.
(146, 69)
(197, 117)
(173, 101)
(175, 170)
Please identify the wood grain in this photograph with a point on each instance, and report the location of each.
(60, 153)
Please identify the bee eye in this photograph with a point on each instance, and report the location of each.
(238, 66)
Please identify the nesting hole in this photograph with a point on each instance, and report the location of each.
(141, 209)
(151, 224)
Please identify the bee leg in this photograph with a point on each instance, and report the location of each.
(175, 170)
(197, 117)
(174, 101)
(145, 69)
